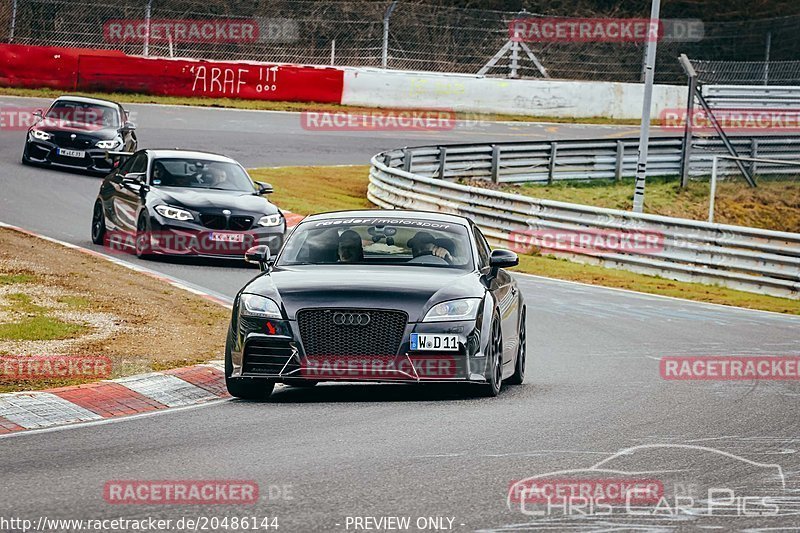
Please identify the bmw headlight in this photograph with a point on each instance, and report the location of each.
(109, 145)
(175, 213)
(255, 305)
(40, 135)
(464, 309)
(270, 220)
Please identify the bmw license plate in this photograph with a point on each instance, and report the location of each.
(71, 153)
(434, 342)
(227, 237)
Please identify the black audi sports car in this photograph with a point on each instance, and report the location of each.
(77, 132)
(179, 202)
(397, 296)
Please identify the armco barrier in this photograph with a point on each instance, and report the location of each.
(99, 70)
(750, 259)
(547, 161)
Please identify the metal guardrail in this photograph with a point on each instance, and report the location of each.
(750, 259)
(548, 161)
(752, 96)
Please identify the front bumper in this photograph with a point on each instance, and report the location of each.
(191, 239)
(272, 349)
(45, 153)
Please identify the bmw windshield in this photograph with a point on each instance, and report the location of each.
(200, 174)
(381, 241)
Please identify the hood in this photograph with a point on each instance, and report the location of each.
(412, 289)
(63, 126)
(205, 200)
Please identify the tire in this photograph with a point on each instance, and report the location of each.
(98, 223)
(522, 350)
(495, 359)
(142, 242)
(245, 388)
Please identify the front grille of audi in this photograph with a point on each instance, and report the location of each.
(334, 332)
(268, 357)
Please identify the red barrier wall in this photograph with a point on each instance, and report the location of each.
(113, 71)
(43, 66)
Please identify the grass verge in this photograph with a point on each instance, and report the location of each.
(306, 190)
(62, 302)
(265, 105)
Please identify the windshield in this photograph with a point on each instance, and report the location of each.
(381, 241)
(200, 174)
(95, 115)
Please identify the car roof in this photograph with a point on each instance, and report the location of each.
(177, 153)
(86, 100)
(391, 214)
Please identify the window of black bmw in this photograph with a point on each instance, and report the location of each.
(200, 174)
(379, 241)
(89, 115)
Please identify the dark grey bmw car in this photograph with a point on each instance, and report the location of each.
(387, 296)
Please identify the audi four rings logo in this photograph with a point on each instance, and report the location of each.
(351, 319)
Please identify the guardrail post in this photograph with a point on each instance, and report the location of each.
(552, 165)
(620, 160)
(753, 154)
(407, 156)
(713, 188)
(442, 161)
(495, 163)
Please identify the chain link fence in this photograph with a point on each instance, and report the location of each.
(420, 37)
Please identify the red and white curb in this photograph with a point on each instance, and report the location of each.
(179, 387)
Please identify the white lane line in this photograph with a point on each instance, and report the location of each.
(646, 295)
(17, 434)
(166, 389)
(42, 409)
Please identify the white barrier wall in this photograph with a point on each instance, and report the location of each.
(546, 98)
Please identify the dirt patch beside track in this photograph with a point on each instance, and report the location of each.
(58, 301)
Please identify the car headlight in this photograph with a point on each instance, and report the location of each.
(465, 309)
(40, 135)
(109, 145)
(255, 305)
(175, 213)
(270, 220)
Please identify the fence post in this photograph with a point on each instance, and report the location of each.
(333, 51)
(686, 147)
(407, 156)
(386, 17)
(13, 21)
(620, 160)
(442, 161)
(552, 165)
(753, 154)
(495, 163)
(713, 188)
(147, 10)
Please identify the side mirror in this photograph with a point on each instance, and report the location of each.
(38, 114)
(136, 178)
(264, 188)
(128, 126)
(502, 259)
(258, 255)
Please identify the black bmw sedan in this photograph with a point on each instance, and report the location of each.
(387, 296)
(179, 202)
(78, 133)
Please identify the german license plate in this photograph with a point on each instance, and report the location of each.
(227, 237)
(434, 342)
(72, 153)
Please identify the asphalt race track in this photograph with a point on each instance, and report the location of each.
(325, 454)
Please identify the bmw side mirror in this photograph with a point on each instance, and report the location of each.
(128, 126)
(39, 114)
(264, 188)
(133, 178)
(502, 259)
(259, 255)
